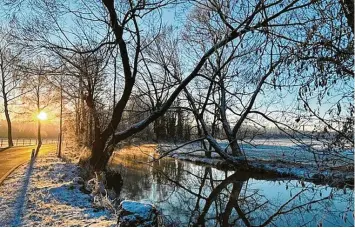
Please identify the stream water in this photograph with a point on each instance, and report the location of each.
(191, 195)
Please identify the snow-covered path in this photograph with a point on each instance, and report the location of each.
(13, 157)
(46, 193)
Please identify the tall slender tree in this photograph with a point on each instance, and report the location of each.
(11, 76)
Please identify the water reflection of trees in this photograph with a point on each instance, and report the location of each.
(204, 196)
(142, 177)
(234, 202)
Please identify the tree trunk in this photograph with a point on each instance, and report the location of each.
(82, 119)
(96, 153)
(233, 203)
(61, 119)
(234, 146)
(6, 108)
(90, 130)
(100, 155)
(77, 119)
(9, 126)
(234, 178)
(39, 138)
(348, 8)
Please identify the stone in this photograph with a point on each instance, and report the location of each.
(132, 214)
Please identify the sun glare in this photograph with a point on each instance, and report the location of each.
(42, 116)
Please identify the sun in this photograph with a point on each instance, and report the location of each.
(42, 116)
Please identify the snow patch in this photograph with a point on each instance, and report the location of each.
(133, 213)
(285, 160)
(47, 193)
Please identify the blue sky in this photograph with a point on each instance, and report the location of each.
(175, 18)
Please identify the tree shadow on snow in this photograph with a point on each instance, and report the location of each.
(72, 196)
(21, 198)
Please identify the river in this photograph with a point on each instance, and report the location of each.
(191, 195)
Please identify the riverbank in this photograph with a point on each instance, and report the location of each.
(270, 160)
(188, 194)
(47, 192)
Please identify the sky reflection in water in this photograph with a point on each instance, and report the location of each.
(191, 194)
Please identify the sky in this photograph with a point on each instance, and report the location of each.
(175, 18)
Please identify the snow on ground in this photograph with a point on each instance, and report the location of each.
(46, 193)
(272, 150)
(281, 156)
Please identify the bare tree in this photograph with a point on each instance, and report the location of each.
(250, 69)
(41, 96)
(257, 33)
(11, 76)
